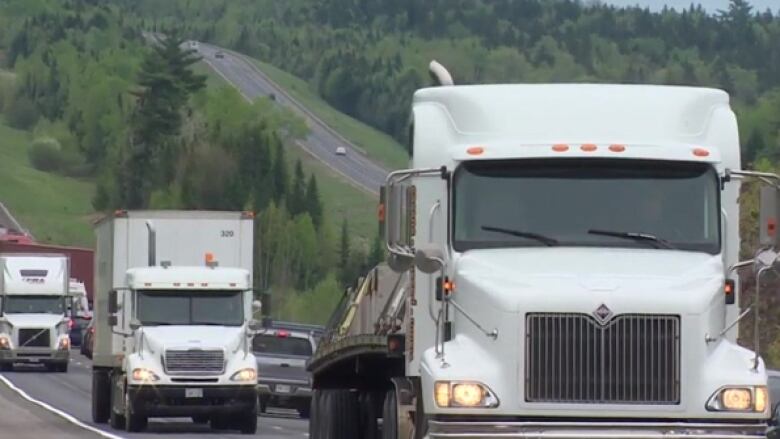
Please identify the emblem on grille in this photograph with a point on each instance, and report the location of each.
(602, 314)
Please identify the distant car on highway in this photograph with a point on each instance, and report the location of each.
(194, 45)
(88, 341)
(220, 54)
(341, 150)
(281, 352)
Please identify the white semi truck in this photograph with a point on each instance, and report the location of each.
(34, 304)
(563, 263)
(173, 310)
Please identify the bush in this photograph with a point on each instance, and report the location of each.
(46, 155)
(21, 113)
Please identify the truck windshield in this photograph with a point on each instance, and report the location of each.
(159, 307)
(33, 304)
(605, 203)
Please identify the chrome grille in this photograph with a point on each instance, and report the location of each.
(194, 361)
(633, 358)
(33, 338)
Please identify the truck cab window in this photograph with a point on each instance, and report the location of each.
(602, 203)
(158, 307)
(34, 304)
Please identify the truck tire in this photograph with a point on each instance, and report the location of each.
(247, 422)
(369, 402)
(390, 416)
(116, 421)
(62, 367)
(342, 415)
(316, 415)
(101, 396)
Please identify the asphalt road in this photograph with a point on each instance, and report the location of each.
(321, 142)
(70, 392)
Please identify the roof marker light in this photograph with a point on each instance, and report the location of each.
(700, 152)
(617, 148)
(589, 147)
(475, 150)
(560, 147)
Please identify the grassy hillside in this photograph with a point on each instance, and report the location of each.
(54, 208)
(376, 144)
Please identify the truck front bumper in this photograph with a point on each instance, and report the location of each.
(450, 428)
(192, 400)
(34, 356)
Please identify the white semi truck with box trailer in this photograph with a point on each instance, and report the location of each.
(34, 304)
(563, 263)
(173, 310)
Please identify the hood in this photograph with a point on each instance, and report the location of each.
(34, 320)
(626, 280)
(160, 338)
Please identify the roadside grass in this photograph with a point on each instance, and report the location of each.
(54, 208)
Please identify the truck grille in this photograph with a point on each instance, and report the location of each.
(632, 359)
(33, 337)
(195, 361)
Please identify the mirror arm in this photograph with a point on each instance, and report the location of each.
(756, 338)
(767, 177)
(490, 334)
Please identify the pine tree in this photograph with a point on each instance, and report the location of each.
(344, 260)
(377, 252)
(313, 202)
(279, 170)
(297, 201)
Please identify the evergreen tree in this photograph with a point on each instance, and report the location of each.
(297, 201)
(313, 202)
(344, 260)
(280, 177)
(377, 254)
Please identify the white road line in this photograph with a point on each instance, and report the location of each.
(57, 411)
(276, 427)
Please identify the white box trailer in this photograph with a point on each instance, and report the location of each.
(158, 275)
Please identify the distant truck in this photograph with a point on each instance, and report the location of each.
(173, 321)
(563, 262)
(34, 322)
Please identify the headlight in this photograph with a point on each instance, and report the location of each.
(5, 342)
(64, 343)
(247, 374)
(463, 394)
(739, 399)
(145, 375)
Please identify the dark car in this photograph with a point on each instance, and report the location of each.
(220, 54)
(77, 326)
(88, 342)
(282, 378)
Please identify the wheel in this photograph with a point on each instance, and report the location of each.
(316, 415)
(200, 419)
(369, 403)
(101, 396)
(341, 415)
(133, 421)
(116, 421)
(62, 367)
(247, 422)
(390, 416)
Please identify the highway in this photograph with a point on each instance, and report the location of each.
(322, 141)
(71, 393)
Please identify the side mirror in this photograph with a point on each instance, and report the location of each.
(113, 302)
(399, 263)
(257, 305)
(429, 259)
(112, 320)
(135, 324)
(769, 214)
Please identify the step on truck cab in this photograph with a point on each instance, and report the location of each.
(34, 305)
(566, 262)
(173, 318)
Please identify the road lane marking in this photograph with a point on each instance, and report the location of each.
(64, 415)
(276, 427)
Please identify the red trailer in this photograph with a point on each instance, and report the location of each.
(82, 260)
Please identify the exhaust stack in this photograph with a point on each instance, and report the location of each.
(440, 74)
(152, 244)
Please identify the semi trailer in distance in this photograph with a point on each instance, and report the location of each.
(173, 319)
(563, 262)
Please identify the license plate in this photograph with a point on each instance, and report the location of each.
(282, 388)
(193, 393)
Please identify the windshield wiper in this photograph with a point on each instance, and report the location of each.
(546, 240)
(636, 236)
(211, 324)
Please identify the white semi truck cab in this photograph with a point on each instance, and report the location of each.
(173, 337)
(34, 306)
(567, 262)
